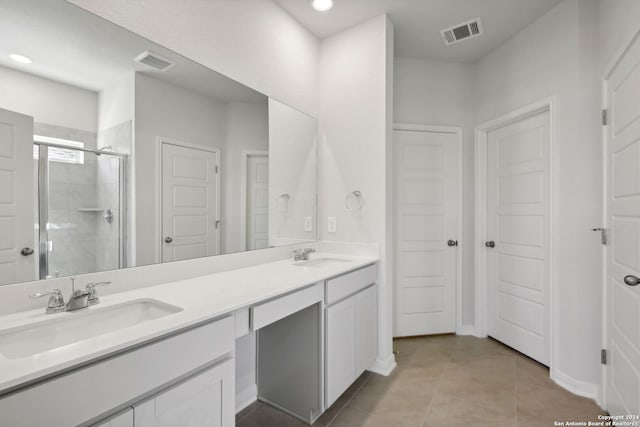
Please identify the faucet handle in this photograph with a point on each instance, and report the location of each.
(93, 295)
(56, 300)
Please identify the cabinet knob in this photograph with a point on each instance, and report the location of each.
(168, 239)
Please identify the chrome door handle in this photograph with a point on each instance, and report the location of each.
(631, 280)
(26, 251)
(452, 243)
(168, 240)
(490, 244)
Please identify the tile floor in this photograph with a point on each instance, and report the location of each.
(446, 380)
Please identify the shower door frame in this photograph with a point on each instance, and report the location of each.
(43, 202)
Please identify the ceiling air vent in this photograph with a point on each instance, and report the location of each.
(155, 61)
(458, 33)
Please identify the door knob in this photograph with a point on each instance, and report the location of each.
(490, 244)
(168, 240)
(452, 243)
(631, 280)
(26, 251)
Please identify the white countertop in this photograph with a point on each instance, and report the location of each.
(201, 298)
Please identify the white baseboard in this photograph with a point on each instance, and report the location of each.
(246, 397)
(384, 366)
(466, 330)
(581, 388)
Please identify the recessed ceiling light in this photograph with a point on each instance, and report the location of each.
(20, 58)
(322, 5)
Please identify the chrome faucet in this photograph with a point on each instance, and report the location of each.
(302, 254)
(80, 298)
(56, 300)
(85, 297)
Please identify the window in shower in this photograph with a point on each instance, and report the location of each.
(81, 206)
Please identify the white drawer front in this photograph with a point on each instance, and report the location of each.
(85, 393)
(274, 310)
(350, 283)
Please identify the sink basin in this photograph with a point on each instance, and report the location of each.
(321, 262)
(72, 327)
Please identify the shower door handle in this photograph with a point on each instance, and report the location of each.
(168, 240)
(26, 251)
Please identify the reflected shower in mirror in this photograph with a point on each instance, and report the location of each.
(118, 152)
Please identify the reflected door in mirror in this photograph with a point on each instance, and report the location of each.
(189, 202)
(16, 201)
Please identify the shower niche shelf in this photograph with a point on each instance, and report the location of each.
(108, 213)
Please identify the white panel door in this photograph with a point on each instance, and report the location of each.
(17, 210)
(623, 253)
(189, 203)
(426, 217)
(518, 204)
(257, 202)
(206, 400)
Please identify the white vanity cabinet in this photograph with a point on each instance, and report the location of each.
(124, 419)
(165, 372)
(205, 400)
(351, 329)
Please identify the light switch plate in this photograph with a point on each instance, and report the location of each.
(308, 223)
(331, 224)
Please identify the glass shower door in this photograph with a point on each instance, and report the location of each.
(81, 204)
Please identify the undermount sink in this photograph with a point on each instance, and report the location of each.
(321, 262)
(73, 327)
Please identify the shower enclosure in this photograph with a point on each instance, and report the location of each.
(81, 208)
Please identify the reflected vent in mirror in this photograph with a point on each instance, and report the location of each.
(461, 32)
(155, 61)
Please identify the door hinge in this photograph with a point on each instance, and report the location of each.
(603, 356)
(604, 117)
(216, 168)
(603, 234)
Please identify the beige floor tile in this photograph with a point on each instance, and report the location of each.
(447, 381)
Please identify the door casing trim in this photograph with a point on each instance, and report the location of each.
(480, 255)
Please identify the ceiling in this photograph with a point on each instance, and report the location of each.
(72, 46)
(417, 23)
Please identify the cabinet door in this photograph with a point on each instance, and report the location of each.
(124, 419)
(205, 400)
(367, 330)
(341, 348)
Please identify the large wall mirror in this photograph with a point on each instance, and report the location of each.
(117, 152)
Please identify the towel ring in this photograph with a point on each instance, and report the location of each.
(354, 201)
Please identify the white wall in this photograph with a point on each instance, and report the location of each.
(253, 42)
(48, 101)
(556, 56)
(354, 86)
(165, 110)
(292, 171)
(116, 103)
(441, 93)
(247, 129)
(618, 25)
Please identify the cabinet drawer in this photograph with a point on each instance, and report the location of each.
(341, 287)
(82, 394)
(274, 310)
